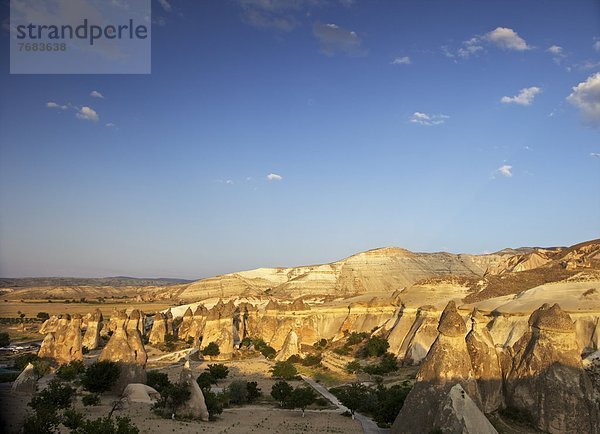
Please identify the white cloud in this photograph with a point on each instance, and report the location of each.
(524, 97)
(555, 49)
(594, 154)
(597, 46)
(427, 120)
(402, 61)
(274, 177)
(166, 5)
(507, 39)
(505, 170)
(110, 125)
(96, 94)
(57, 106)
(333, 38)
(87, 113)
(586, 97)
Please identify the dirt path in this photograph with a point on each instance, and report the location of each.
(369, 427)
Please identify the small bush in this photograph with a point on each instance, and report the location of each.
(214, 404)
(56, 396)
(43, 316)
(320, 344)
(157, 380)
(218, 371)
(356, 338)
(268, 352)
(176, 395)
(105, 425)
(253, 391)
(70, 371)
(238, 392)
(294, 358)
(312, 360)
(4, 339)
(100, 376)
(211, 349)
(22, 360)
(284, 370)
(353, 367)
(72, 418)
(342, 351)
(376, 346)
(92, 399)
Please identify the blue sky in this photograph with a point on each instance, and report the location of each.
(463, 126)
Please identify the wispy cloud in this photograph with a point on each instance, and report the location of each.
(87, 113)
(507, 39)
(505, 170)
(274, 177)
(558, 53)
(96, 94)
(594, 154)
(597, 45)
(333, 39)
(524, 97)
(166, 5)
(586, 97)
(405, 60)
(428, 120)
(110, 125)
(54, 105)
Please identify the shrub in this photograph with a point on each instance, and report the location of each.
(253, 391)
(342, 351)
(72, 418)
(238, 392)
(91, 399)
(218, 371)
(175, 395)
(71, 370)
(268, 352)
(284, 370)
(21, 361)
(376, 346)
(105, 425)
(205, 381)
(281, 391)
(386, 364)
(214, 404)
(100, 376)
(389, 404)
(43, 316)
(4, 339)
(302, 397)
(353, 367)
(294, 358)
(56, 396)
(157, 380)
(312, 360)
(356, 338)
(320, 344)
(211, 349)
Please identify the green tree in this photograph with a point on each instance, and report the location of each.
(377, 346)
(353, 367)
(100, 376)
(105, 425)
(284, 370)
(214, 405)
(253, 391)
(281, 392)
(205, 381)
(353, 396)
(71, 370)
(157, 380)
(218, 371)
(356, 338)
(175, 395)
(211, 349)
(302, 397)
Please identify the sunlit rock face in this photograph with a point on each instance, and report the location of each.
(485, 362)
(447, 363)
(547, 377)
(91, 339)
(290, 347)
(126, 348)
(158, 333)
(64, 344)
(459, 414)
(219, 328)
(186, 325)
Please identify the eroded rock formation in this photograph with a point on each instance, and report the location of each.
(64, 344)
(195, 407)
(91, 339)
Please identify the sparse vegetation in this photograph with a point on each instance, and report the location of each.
(212, 349)
(91, 399)
(100, 376)
(71, 370)
(281, 391)
(284, 371)
(218, 371)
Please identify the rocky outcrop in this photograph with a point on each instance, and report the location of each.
(64, 344)
(158, 333)
(91, 339)
(485, 363)
(186, 325)
(137, 392)
(170, 326)
(219, 328)
(547, 377)
(26, 382)
(447, 363)
(195, 407)
(50, 325)
(290, 347)
(126, 348)
(458, 414)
